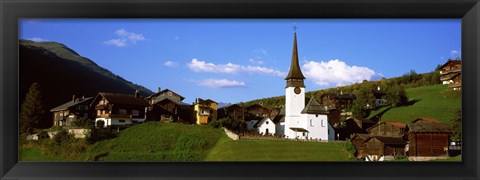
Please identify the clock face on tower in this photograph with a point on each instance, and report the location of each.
(297, 90)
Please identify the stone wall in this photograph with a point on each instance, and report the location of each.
(425, 158)
(231, 134)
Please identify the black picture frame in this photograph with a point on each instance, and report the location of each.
(11, 11)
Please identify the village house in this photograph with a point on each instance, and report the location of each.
(338, 101)
(390, 129)
(379, 97)
(450, 73)
(234, 111)
(427, 139)
(115, 110)
(266, 126)
(253, 114)
(355, 126)
(167, 105)
(358, 141)
(67, 113)
(205, 111)
(381, 148)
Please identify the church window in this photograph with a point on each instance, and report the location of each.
(322, 123)
(266, 122)
(311, 122)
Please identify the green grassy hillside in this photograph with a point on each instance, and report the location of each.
(155, 141)
(272, 150)
(437, 101)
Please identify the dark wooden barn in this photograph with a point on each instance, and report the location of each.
(379, 146)
(428, 139)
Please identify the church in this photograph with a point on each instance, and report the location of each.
(303, 121)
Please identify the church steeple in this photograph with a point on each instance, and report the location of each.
(295, 77)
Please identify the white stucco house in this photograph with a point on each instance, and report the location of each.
(266, 126)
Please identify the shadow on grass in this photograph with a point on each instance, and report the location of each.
(412, 102)
(379, 115)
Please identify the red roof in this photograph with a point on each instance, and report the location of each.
(398, 124)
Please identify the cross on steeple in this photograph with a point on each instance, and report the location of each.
(294, 27)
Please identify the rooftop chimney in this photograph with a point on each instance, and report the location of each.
(159, 89)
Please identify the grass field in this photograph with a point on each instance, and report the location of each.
(277, 150)
(438, 101)
(155, 141)
(35, 154)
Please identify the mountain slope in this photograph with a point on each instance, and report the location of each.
(62, 73)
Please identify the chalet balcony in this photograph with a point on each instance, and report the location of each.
(115, 116)
(103, 107)
(450, 71)
(455, 85)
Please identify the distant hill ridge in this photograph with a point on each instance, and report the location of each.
(62, 73)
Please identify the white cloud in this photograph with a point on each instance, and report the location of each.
(256, 62)
(220, 83)
(230, 68)
(124, 37)
(170, 63)
(37, 39)
(336, 73)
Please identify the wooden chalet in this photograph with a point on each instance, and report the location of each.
(167, 105)
(428, 138)
(338, 101)
(358, 142)
(356, 126)
(70, 111)
(234, 111)
(450, 73)
(113, 109)
(379, 148)
(388, 129)
(379, 97)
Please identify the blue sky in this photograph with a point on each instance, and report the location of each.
(236, 60)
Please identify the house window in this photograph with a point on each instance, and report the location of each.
(121, 121)
(122, 111)
(135, 112)
(85, 107)
(79, 107)
(169, 93)
(99, 112)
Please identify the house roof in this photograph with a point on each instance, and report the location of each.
(261, 122)
(298, 129)
(363, 120)
(389, 140)
(204, 101)
(164, 91)
(425, 120)
(313, 107)
(428, 127)
(280, 117)
(69, 104)
(363, 136)
(231, 106)
(397, 124)
(115, 98)
(294, 72)
(450, 61)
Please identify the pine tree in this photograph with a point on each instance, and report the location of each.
(32, 110)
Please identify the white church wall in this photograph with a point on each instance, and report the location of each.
(280, 128)
(317, 125)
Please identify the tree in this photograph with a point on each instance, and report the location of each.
(396, 95)
(362, 105)
(457, 126)
(32, 111)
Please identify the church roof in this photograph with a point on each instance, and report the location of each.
(295, 72)
(313, 107)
